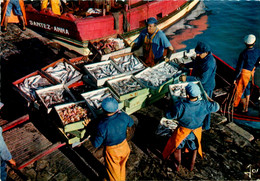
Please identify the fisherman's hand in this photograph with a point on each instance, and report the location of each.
(166, 59)
(183, 78)
(12, 162)
(86, 121)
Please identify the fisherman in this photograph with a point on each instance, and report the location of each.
(154, 42)
(190, 114)
(19, 10)
(112, 132)
(204, 70)
(244, 74)
(5, 154)
(55, 6)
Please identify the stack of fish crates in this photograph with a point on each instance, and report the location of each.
(131, 91)
(94, 99)
(71, 118)
(178, 92)
(158, 78)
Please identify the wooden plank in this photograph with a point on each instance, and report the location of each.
(16, 122)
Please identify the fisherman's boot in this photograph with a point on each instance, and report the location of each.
(193, 158)
(177, 161)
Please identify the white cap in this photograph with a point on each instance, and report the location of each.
(250, 39)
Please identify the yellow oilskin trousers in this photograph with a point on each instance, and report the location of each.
(116, 157)
(242, 82)
(55, 6)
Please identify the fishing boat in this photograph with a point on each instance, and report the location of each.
(126, 19)
(224, 91)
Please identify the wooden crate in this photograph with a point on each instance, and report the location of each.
(74, 136)
(142, 91)
(184, 84)
(30, 98)
(104, 57)
(74, 126)
(154, 98)
(116, 57)
(131, 110)
(100, 82)
(130, 103)
(98, 111)
(75, 79)
(69, 97)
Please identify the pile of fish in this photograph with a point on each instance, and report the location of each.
(178, 91)
(96, 98)
(109, 45)
(158, 75)
(73, 113)
(63, 72)
(52, 97)
(166, 127)
(125, 86)
(30, 84)
(103, 70)
(129, 63)
(91, 11)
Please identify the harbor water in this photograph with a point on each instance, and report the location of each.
(221, 24)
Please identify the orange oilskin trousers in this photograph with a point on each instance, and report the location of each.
(55, 6)
(242, 82)
(148, 52)
(13, 18)
(116, 157)
(177, 137)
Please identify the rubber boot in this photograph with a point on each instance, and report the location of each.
(193, 158)
(177, 161)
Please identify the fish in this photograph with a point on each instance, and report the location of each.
(103, 71)
(129, 63)
(33, 83)
(73, 113)
(53, 96)
(63, 72)
(125, 86)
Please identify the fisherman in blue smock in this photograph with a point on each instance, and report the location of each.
(204, 70)
(112, 133)
(244, 75)
(190, 113)
(5, 156)
(154, 42)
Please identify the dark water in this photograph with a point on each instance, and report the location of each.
(222, 24)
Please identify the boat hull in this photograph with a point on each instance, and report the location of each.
(80, 31)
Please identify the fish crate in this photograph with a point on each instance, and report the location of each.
(60, 94)
(152, 98)
(130, 103)
(95, 97)
(102, 71)
(157, 79)
(129, 63)
(32, 85)
(131, 110)
(62, 74)
(80, 61)
(103, 56)
(178, 92)
(72, 115)
(73, 136)
(127, 87)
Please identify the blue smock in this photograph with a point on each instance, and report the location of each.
(112, 129)
(5, 155)
(159, 42)
(191, 114)
(204, 70)
(248, 59)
